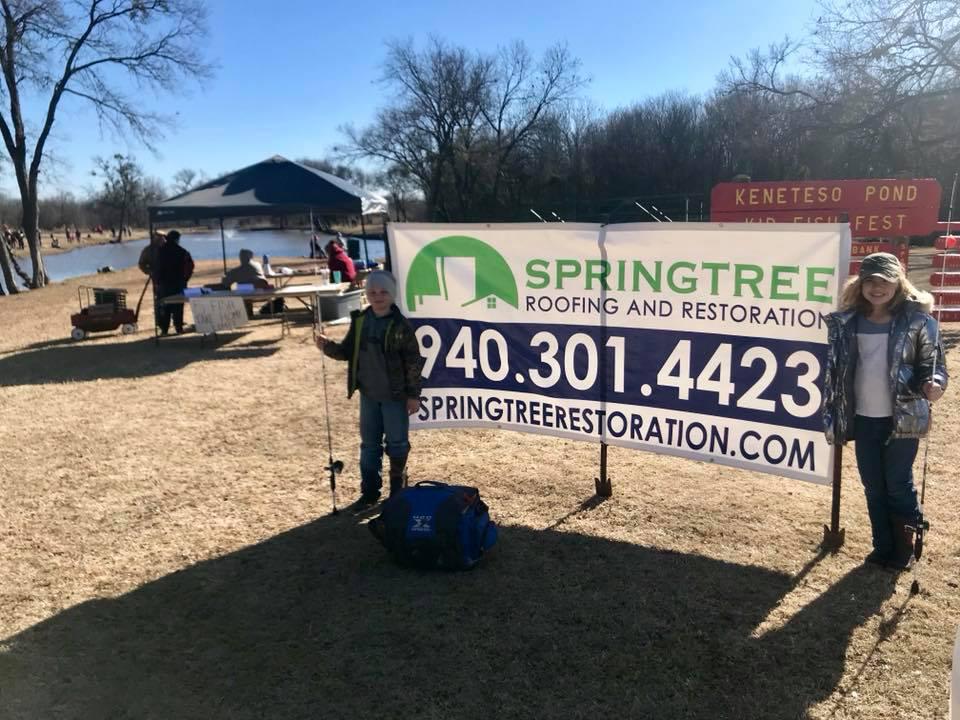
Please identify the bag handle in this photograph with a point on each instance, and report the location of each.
(431, 483)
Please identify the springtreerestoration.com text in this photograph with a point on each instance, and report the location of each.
(713, 438)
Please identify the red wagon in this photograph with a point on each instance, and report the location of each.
(107, 312)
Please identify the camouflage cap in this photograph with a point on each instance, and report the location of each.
(883, 265)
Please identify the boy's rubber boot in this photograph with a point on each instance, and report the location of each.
(903, 534)
(364, 503)
(398, 478)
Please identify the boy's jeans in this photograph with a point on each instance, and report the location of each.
(886, 469)
(379, 418)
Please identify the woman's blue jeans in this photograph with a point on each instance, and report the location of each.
(379, 419)
(886, 470)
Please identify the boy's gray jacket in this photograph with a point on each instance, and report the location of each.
(912, 350)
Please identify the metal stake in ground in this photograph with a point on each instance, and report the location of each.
(922, 524)
(334, 467)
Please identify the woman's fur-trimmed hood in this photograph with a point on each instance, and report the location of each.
(922, 300)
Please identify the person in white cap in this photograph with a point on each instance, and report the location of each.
(884, 368)
(385, 365)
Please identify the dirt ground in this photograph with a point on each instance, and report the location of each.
(168, 552)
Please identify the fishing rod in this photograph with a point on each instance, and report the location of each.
(661, 212)
(647, 211)
(334, 467)
(922, 524)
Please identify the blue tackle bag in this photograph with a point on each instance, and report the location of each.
(436, 526)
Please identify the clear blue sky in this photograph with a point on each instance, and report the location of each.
(291, 72)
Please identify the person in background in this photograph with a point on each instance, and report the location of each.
(384, 364)
(148, 264)
(249, 271)
(337, 259)
(150, 255)
(884, 368)
(174, 269)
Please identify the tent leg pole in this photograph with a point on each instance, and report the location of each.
(153, 285)
(387, 260)
(223, 247)
(363, 231)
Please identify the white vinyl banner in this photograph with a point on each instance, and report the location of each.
(705, 341)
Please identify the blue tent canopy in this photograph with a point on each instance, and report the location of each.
(276, 186)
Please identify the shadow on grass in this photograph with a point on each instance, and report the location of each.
(318, 622)
(39, 345)
(81, 362)
(590, 503)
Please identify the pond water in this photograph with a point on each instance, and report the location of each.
(202, 246)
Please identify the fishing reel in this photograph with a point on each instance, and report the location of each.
(334, 468)
(922, 527)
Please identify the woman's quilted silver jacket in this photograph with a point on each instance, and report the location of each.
(912, 350)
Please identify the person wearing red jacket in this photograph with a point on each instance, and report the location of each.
(337, 259)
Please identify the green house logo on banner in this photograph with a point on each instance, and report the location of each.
(459, 270)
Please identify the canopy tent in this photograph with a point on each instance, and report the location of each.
(276, 186)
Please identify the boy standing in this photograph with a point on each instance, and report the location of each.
(385, 365)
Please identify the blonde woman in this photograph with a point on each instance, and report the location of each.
(884, 369)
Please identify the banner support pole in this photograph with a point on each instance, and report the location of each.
(834, 535)
(604, 487)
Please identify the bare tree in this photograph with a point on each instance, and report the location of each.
(185, 180)
(400, 189)
(894, 49)
(461, 119)
(437, 92)
(81, 50)
(123, 187)
(341, 170)
(883, 72)
(521, 94)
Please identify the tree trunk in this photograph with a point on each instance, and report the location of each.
(7, 272)
(31, 217)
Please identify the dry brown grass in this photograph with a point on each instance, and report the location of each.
(168, 553)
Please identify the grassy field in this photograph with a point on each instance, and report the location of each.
(168, 552)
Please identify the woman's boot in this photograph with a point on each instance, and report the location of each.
(903, 533)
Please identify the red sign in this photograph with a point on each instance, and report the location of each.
(874, 208)
(859, 249)
(941, 279)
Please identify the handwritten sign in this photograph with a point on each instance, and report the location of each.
(216, 314)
